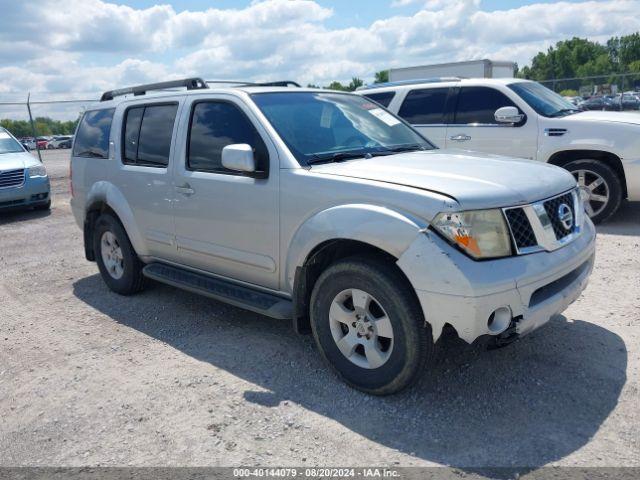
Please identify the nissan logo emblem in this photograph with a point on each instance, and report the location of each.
(565, 215)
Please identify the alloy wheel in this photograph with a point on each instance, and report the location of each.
(361, 328)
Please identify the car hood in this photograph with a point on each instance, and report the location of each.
(13, 161)
(600, 116)
(475, 181)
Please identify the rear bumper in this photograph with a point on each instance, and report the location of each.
(33, 192)
(464, 293)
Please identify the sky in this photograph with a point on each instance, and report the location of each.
(59, 49)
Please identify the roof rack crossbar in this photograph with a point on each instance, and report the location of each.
(188, 83)
(412, 82)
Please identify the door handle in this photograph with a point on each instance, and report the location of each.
(460, 138)
(185, 190)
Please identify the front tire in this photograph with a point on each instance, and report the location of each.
(120, 267)
(368, 325)
(600, 185)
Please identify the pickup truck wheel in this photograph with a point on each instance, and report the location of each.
(600, 187)
(119, 265)
(369, 326)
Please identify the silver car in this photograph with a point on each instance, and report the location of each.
(323, 208)
(24, 182)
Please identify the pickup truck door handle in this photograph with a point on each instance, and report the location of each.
(460, 138)
(185, 190)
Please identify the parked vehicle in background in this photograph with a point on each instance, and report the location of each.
(574, 100)
(24, 182)
(28, 142)
(41, 142)
(323, 208)
(58, 141)
(524, 119)
(66, 143)
(600, 103)
(630, 101)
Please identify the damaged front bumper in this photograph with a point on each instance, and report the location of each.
(488, 297)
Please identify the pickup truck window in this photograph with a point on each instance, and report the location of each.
(92, 139)
(214, 125)
(327, 126)
(147, 134)
(479, 104)
(425, 106)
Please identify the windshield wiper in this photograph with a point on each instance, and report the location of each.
(410, 147)
(336, 157)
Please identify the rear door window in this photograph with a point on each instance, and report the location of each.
(147, 134)
(383, 98)
(479, 104)
(425, 106)
(92, 138)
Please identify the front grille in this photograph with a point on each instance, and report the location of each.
(551, 207)
(11, 178)
(521, 230)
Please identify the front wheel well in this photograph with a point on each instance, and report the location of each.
(316, 262)
(560, 159)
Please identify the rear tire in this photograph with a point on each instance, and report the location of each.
(120, 267)
(381, 348)
(602, 184)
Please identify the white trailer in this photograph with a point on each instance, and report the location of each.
(471, 69)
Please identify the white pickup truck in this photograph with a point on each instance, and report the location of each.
(521, 118)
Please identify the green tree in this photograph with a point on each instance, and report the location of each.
(354, 84)
(381, 77)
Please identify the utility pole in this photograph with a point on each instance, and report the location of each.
(33, 127)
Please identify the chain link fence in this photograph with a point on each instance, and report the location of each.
(611, 84)
(39, 120)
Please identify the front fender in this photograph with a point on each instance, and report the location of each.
(106, 192)
(381, 227)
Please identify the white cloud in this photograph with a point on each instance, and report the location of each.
(92, 45)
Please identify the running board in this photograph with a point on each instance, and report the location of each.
(225, 291)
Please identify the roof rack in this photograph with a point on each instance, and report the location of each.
(279, 83)
(188, 83)
(411, 82)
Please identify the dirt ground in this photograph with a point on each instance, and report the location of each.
(169, 378)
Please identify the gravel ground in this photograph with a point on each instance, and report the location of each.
(169, 378)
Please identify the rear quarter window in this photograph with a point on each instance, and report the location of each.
(383, 98)
(92, 138)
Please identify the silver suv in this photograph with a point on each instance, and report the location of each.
(323, 208)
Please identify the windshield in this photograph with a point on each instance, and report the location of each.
(542, 100)
(8, 144)
(326, 126)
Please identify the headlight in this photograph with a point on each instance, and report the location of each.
(479, 233)
(37, 171)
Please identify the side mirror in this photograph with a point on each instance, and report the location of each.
(239, 157)
(508, 115)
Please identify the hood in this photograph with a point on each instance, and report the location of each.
(599, 116)
(475, 181)
(12, 161)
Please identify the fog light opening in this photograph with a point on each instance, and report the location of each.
(499, 320)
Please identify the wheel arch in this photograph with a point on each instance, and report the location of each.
(341, 232)
(106, 198)
(563, 157)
